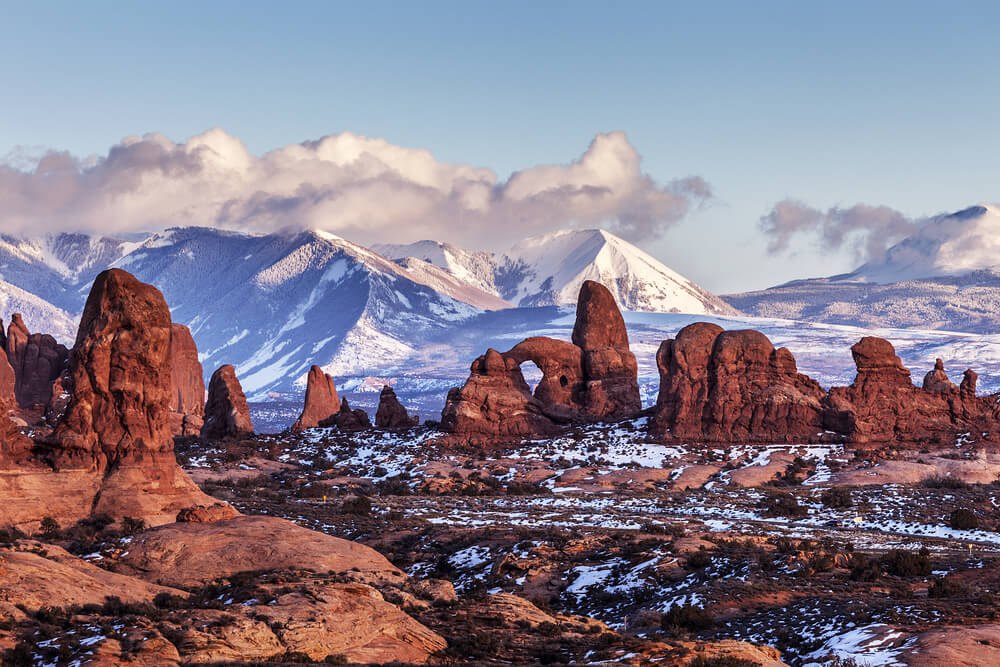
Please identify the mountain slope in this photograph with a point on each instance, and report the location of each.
(945, 276)
(548, 270)
(273, 305)
(948, 245)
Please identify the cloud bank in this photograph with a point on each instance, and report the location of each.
(866, 230)
(361, 188)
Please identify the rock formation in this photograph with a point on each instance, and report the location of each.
(37, 360)
(882, 404)
(187, 386)
(592, 378)
(937, 379)
(112, 452)
(347, 419)
(734, 386)
(321, 401)
(391, 414)
(227, 414)
(728, 386)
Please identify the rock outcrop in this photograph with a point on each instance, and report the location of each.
(729, 386)
(112, 452)
(322, 401)
(391, 414)
(347, 419)
(187, 386)
(227, 414)
(733, 387)
(37, 360)
(590, 379)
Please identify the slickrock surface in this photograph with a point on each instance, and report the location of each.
(321, 402)
(226, 412)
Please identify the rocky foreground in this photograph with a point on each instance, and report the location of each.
(750, 517)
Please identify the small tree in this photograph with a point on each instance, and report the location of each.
(50, 528)
(964, 519)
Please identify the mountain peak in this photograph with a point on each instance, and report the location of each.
(946, 245)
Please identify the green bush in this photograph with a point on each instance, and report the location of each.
(963, 519)
(687, 617)
(837, 496)
(907, 563)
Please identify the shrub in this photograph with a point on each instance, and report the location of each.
(722, 661)
(50, 528)
(132, 525)
(963, 519)
(699, 560)
(864, 568)
(837, 496)
(357, 505)
(783, 504)
(907, 563)
(941, 482)
(687, 617)
(946, 587)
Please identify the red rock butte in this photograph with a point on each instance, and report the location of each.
(733, 386)
(593, 378)
(112, 451)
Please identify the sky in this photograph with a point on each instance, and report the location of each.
(743, 144)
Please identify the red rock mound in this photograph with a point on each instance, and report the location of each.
(187, 386)
(227, 414)
(592, 378)
(37, 360)
(347, 419)
(734, 386)
(112, 452)
(321, 402)
(726, 386)
(391, 414)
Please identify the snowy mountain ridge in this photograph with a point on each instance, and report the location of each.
(548, 270)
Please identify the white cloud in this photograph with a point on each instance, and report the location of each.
(358, 187)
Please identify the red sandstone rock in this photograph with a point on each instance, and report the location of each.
(592, 378)
(937, 379)
(391, 414)
(37, 360)
(209, 514)
(227, 414)
(187, 386)
(322, 401)
(733, 386)
(728, 386)
(112, 452)
(347, 419)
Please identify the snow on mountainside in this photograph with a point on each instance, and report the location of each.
(474, 268)
(548, 270)
(273, 305)
(948, 245)
(945, 276)
(40, 316)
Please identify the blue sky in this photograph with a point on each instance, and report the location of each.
(885, 103)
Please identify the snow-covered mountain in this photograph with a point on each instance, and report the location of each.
(948, 245)
(275, 304)
(548, 270)
(945, 276)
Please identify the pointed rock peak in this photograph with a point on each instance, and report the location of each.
(391, 414)
(187, 381)
(17, 324)
(227, 414)
(321, 401)
(938, 365)
(599, 322)
(120, 370)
